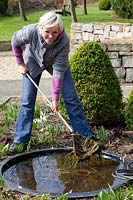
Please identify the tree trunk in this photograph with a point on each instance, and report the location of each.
(21, 10)
(73, 12)
(84, 7)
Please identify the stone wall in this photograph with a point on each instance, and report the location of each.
(115, 38)
(120, 52)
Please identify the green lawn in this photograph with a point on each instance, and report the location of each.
(8, 25)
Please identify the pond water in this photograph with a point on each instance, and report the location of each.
(57, 174)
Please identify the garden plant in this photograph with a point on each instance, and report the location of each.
(129, 112)
(104, 4)
(97, 84)
(123, 8)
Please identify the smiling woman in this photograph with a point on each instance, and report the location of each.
(50, 26)
(46, 48)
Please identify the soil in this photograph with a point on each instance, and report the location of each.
(118, 140)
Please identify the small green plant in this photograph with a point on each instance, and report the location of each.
(2, 129)
(34, 125)
(7, 122)
(12, 112)
(59, 131)
(41, 138)
(29, 145)
(5, 149)
(104, 4)
(102, 134)
(26, 197)
(1, 147)
(40, 123)
(37, 110)
(129, 112)
(120, 194)
(51, 134)
(19, 147)
(3, 107)
(103, 195)
(63, 197)
(2, 182)
(45, 197)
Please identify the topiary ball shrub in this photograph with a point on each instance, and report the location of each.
(129, 112)
(97, 84)
(104, 4)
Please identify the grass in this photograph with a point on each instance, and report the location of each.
(96, 15)
(125, 193)
(8, 25)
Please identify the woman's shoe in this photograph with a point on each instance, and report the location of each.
(17, 148)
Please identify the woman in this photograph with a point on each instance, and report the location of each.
(46, 48)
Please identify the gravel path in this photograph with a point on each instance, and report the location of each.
(9, 68)
(10, 78)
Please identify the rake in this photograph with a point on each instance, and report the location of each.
(49, 102)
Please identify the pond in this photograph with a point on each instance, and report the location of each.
(52, 171)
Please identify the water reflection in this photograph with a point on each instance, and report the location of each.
(56, 175)
(46, 175)
(25, 175)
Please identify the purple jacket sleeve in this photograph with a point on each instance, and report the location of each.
(56, 88)
(18, 53)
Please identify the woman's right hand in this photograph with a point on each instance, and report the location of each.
(23, 69)
(55, 106)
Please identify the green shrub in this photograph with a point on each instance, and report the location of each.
(97, 84)
(129, 112)
(123, 8)
(104, 4)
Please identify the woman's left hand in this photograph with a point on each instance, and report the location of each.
(55, 106)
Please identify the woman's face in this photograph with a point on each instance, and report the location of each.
(50, 34)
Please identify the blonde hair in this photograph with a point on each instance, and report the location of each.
(50, 19)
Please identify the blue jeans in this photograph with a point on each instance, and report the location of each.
(74, 109)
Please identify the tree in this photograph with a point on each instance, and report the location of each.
(21, 9)
(71, 5)
(84, 7)
(73, 12)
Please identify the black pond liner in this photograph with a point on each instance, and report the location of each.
(12, 160)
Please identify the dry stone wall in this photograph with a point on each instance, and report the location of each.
(115, 38)
(120, 52)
